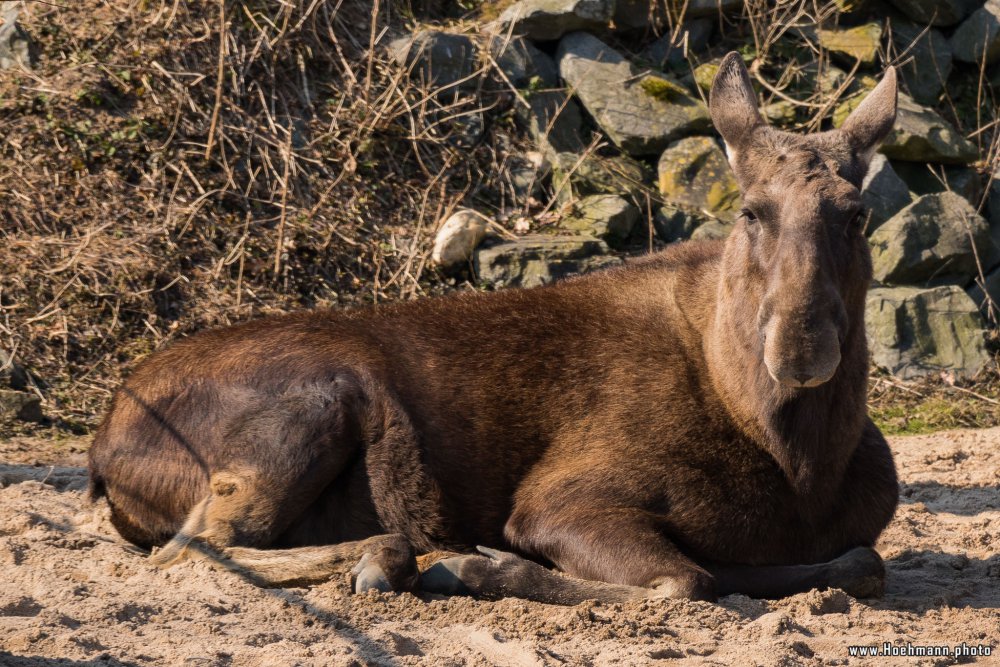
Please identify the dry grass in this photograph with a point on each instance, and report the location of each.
(172, 165)
(160, 179)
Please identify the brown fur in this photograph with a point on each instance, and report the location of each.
(648, 426)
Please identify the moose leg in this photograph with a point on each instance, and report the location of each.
(281, 453)
(499, 574)
(611, 555)
(859, 572)
(383, 562)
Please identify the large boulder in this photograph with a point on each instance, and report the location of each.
(938, 239)
(15, 46)
(914, 332)
(574, 176)
(936, 12)
(537, 260)
(920, 134)
(694, 173)
(926, 74)
(543, 20)
(608, 217)
(978, 37)
(441, 59)
(546, 110)
(641, 111)
(883, 192)
(857, 43)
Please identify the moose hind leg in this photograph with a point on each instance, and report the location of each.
(859, 573)
(383, 562)
(280, 452)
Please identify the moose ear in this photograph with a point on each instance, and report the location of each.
(872, 121)
(733, 104)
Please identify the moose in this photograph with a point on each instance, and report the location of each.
(689, 425)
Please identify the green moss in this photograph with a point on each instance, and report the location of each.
(663, 90)
(929, 415)
(704, 75)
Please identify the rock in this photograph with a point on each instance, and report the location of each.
(670, 49)
(640, 111)
(993, 200)
(609, 217)
(543, 20)
(527, 175)
(436, 57)
(935, 240)
(925, 76)
(523, 65)
(704, 75)
(922, 180)
(574, 176)
(920, 134)
(19, 405)
(883, 192)
(852, 6)
(935, 12)
(551, 117)
(458, 237)
(779, 113)
(979, 35)
(856, 43)
(699, 8)
(537, 260)
(694, 173)
(988, 286)
(631, 15)
(12, 374)
(15, 46)
(712, 230)
(673, 223)
(913, 332)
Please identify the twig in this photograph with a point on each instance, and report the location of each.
(221, 74)
(284, 204)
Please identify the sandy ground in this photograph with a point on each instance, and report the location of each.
(71, 593)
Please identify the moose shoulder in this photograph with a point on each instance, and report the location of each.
(690, 425)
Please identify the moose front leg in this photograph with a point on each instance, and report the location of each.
(622, 546)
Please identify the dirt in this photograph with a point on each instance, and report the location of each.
(72, 593)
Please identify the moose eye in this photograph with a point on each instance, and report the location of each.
(748, 214)
(860, 218)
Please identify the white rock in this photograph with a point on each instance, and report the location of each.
(458, 237)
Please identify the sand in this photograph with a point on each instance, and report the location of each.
(72, 593)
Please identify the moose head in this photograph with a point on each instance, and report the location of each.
(796, 266)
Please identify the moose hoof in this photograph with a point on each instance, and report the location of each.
(493, 574)
(368, 575)
(696, 585)
(860, 573)
(391, 567)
